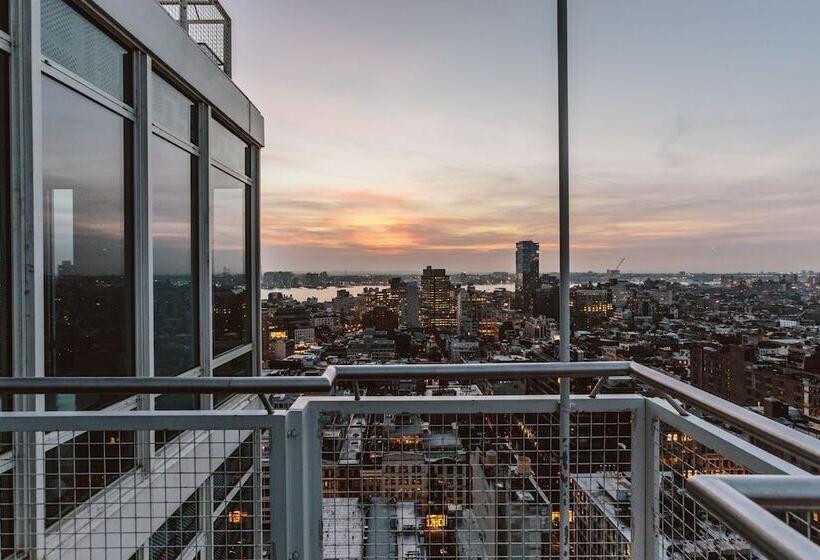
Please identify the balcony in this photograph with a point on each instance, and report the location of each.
(208, 25)
(663, 470)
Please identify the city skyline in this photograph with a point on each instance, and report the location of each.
(405, 139)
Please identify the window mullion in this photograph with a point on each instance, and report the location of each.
(143, 258)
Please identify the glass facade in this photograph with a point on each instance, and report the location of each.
(93, 315)
(4, 15)
(231, 295)
(172, 401)
(173, 536)
(239, 367)
(171, 110)
(88, 282)
(80, 468)
(176, 348)
(230, 473)
(228, 149)
(77, 45)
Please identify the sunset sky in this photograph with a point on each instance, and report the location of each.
(415, 132)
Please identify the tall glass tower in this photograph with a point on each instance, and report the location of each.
(526, 273)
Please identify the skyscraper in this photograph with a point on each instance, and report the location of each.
(438, 300)
(526, 274)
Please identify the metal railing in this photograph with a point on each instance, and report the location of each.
(368, 477)
(754, 425)
(208, 25)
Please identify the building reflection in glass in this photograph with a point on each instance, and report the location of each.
(88, 281)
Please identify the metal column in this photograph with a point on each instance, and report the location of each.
(563, 202)
(27, 302)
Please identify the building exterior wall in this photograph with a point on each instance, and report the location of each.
(122, 129)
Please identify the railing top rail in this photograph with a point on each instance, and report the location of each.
(734, 500)
(798, 444)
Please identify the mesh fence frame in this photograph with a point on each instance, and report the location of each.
(208, 25)
(95, 494)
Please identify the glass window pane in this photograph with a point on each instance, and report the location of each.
(76, 44)
(171, 539)
(173, 401)
(5, 253)
(240, 367)
(176, 347)
(230, 472)
(4, 15)
(88, 290)
(171, 109)
(231, 298)
(228, 149)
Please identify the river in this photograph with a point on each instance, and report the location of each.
(327, 294)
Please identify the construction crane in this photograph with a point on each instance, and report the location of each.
(613, 273)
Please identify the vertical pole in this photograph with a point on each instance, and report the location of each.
(183, 14)
(278, 487)
(255, 274)
(27, 272)
(652, 486)
(563, 201)
(143, 249)
(203, 214)
(204, 315)
(227, 55)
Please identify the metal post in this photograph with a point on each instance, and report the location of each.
(204, 315)
(255, 273)
(203, 216)
(645, 481)
(27, 302)
(183, 14)
(563, 202)
(278, 487)
(143, 248)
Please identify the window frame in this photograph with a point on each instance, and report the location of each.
(29, 69)
(251, 224)
(157, 133)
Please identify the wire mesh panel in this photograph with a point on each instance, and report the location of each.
(449, 485)
(208, 24)
(601, 485)
(687, 530)
(469, 484)
(70, 494)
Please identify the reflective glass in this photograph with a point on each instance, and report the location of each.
(231, 297)
(88, 292)
(4, 15)
(173, 401)
(228, 149)
(171, 539)
(5, 231)
(171, 109)
(176, 345)
(239, 367)
(229, 473)
(76, 44)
